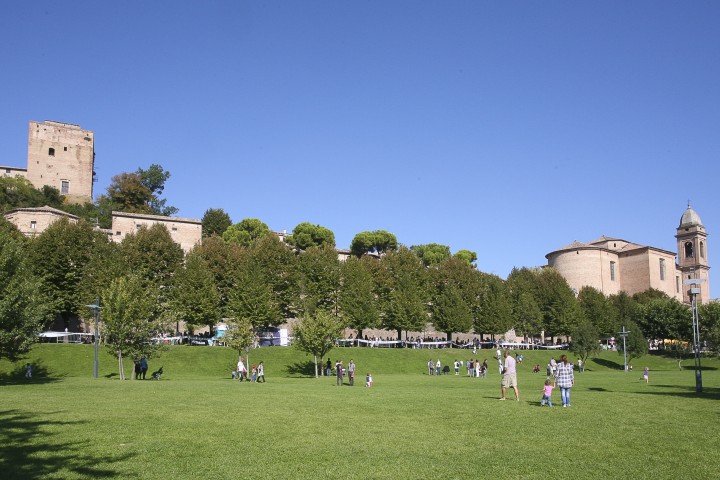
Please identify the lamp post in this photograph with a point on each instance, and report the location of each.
(96, 311)
(694, 292)
(624, 334)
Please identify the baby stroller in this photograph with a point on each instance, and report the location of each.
(156, 375)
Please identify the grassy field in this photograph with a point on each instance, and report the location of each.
(197, 423)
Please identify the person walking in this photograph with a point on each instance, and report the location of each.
(351, 372)
(28, 370)
(565, 379)
(143, 367)
(261, 372)
(339, 372)
(431, 367)
(438, 367)
(240, 369)
(547, 393)
(509, 379)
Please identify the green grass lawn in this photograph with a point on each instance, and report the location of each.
(197, 423)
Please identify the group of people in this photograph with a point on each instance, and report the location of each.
(257, 373)
(141, 367)
(341, 371)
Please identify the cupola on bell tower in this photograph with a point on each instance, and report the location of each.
(692, 254)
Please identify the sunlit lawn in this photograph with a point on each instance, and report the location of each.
(196, 424)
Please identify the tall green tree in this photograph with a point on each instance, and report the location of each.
(494, 311)
(453, 296)
(557, 301)
(377, 241)
(306, 235)
(24, 306)
(635, 343)
(318, 279)
(195, 298)
(253, 300)
(278, 263)
(431, 253)
(358, 299)
(598, 309)
(709, 318)
(467, 256)
(523, 286)
(214, 222)
(316, 335)
(585, 340)
(129, 320)
(59, 256)
(406, 294)
(246, 231)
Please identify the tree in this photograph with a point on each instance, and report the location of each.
(318, 279)
(664, 318)
(195, 299)
(239, 335)
(557, 301)
(306, 235)
(377, 241)
(253, 300)
(129, 320)
(709, 316)
(635, 343)
(246, 232)
(494, 307)
(24, 307)
(466, 256)
(59, 256)
(432, 253)
(357, 297)
(406, 293)
(215, 222)
(18, 192)
(598, 310)
(278, 263)
(523, 286)
(453, 296)
(137, 192)
(316, 335)
(585, 341)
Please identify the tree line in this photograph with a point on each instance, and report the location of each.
(242, 271)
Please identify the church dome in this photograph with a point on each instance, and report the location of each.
(690, 217)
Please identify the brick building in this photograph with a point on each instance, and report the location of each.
(614, 265)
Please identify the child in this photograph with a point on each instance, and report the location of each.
(368, 380)
(28, 371)
(646, 375)
(547, 393)
(253, 372)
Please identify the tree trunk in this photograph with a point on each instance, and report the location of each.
(399, 334)
(449, 337)
(316, 369)
(121, 369)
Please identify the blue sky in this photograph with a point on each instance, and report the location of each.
(507, 128)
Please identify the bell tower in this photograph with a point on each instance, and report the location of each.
(692, 255)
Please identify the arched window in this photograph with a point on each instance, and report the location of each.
(702, 249)
(689, 250)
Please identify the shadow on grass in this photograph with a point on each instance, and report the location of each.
(709, 393)
(598, 389)
(26, 451)
(302, 369)
(40, 375)
(608, 364)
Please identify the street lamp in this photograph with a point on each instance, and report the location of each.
(694, 292)
(624, 334)
(96, 311)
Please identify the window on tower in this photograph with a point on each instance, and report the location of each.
(612, 271)
(65, 187)
(689, 250)
(702, 249)
(51, 152)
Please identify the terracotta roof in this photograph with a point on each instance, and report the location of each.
(45, 209)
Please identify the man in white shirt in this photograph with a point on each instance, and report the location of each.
(509, 378)
(241, 370)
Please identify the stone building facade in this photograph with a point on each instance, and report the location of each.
(33, 221)
(614, 265)
(60, 155)
(187, 232)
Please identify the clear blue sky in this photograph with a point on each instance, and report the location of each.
(507, 128)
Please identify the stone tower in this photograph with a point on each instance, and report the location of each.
(62, 155)
(692, 254)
